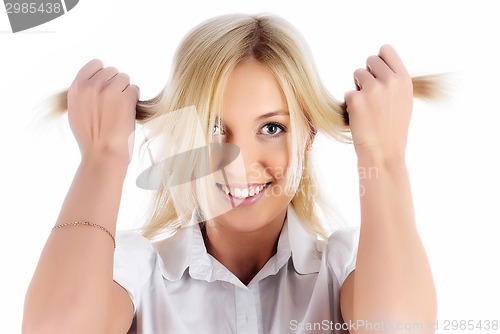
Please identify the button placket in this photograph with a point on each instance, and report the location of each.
(246, 315)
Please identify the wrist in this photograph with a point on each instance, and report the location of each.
(392, 164)
(105, 164)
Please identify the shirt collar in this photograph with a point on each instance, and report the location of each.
(306, 248)
(186, 249)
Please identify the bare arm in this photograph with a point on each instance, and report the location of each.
(393, 280)
(72, 285)
(72, 290)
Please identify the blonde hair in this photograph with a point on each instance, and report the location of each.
(201, 67)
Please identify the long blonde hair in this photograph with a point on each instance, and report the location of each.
(201, 67)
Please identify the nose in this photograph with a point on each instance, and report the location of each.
(246, 163)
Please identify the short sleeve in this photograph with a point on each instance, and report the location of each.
(134, 261)
(342, 251)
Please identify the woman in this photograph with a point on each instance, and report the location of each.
(249, 252)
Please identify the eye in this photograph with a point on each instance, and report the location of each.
(272, 129)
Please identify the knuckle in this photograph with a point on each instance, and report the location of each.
(96, 62)
(111, 69)
(386, 48)
(93, 85)
(359, 71)
(106, 74)
(123, 76)
(348, 97)
(372, 59)
(78, 86)
(353, 100)
(133, 90)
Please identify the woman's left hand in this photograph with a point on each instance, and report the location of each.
(380, 108)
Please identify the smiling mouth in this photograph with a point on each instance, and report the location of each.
(243, 192)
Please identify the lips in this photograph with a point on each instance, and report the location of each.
(243, 192)
(257, 189)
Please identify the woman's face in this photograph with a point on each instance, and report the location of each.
(256, 119)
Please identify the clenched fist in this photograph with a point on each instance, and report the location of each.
(101, 112)
(381, 106)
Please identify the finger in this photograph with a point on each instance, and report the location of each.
(378, 68)
(133, 91)
(349, 96)
(120, 81)
(362, 78)
(105, 74)
(88, 70)
(389, 55)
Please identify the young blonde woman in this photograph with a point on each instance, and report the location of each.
(249, 247)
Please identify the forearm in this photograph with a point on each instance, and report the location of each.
(393, 280)
(74, 274)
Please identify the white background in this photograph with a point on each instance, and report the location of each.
(452, 155)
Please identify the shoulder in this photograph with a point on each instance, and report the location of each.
(342, 240)
(341, 251)
(129, 242)
(134, 263)
(134, 256)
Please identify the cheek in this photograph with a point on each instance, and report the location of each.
(276, 160)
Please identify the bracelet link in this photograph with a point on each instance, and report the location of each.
(85, 223)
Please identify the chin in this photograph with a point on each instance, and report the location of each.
(252, 218)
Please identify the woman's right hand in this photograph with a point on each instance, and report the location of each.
(101, 112)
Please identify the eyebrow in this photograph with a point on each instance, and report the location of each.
(273, 113)
(267, 115)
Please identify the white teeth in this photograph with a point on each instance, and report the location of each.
(242, 193)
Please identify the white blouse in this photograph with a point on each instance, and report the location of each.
(177, 287)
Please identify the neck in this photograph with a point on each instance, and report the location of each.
(243, 253)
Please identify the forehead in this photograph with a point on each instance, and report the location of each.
(252, 89)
